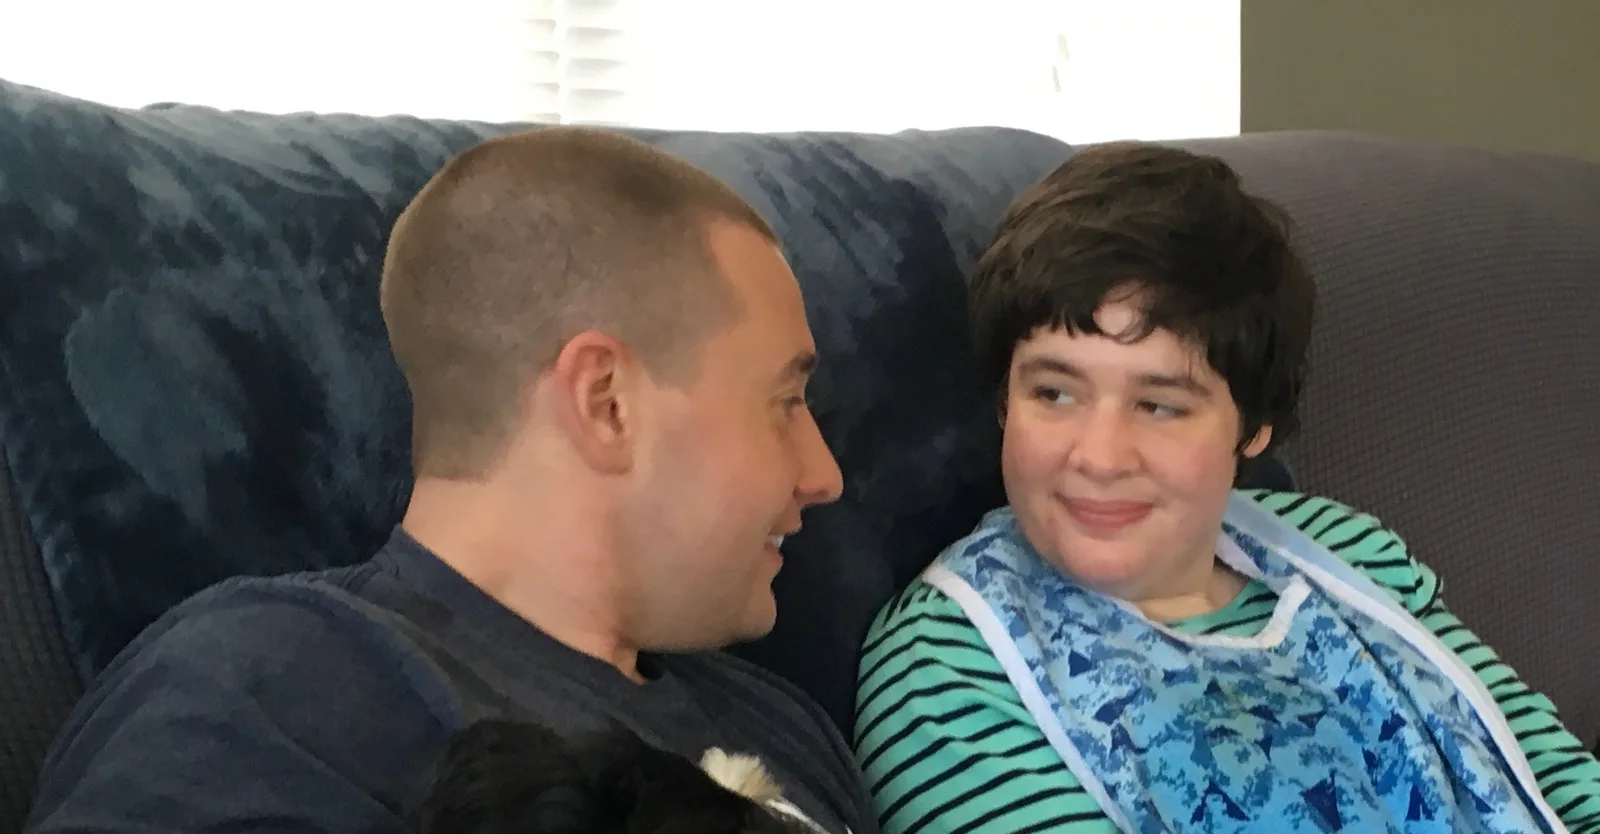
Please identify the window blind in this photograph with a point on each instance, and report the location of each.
(578, 67)
(1081, 70)
(492, 60)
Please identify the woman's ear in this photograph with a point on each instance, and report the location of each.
(1257, 444)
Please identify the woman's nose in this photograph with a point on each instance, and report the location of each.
(1105, 447)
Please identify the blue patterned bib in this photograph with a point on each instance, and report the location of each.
(1343, 715)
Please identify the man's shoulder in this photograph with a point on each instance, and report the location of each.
(292, 694)
(252, 608)
(282, 635)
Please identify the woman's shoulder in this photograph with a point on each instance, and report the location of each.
(923, 656)
(923, 607)
(923, 630)
(1360, 539)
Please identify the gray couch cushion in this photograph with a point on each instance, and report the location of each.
(1455, 376)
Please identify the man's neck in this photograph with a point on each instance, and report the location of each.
(538, 559)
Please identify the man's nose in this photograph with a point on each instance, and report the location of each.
(821, 481)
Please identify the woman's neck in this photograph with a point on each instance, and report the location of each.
(1219, 587)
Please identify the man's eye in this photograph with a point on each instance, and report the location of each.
(1053, 396)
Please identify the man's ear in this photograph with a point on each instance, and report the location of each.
(593, 387)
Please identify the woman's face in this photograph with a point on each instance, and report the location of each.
(1119, 458)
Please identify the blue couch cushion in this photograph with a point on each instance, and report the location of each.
(196, 382)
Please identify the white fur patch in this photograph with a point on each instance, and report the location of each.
(744, 775)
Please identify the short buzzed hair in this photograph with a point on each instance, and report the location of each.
(523, 242)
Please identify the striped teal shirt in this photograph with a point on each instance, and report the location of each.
(947, 745)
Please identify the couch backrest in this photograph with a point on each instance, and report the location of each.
(1456, 375)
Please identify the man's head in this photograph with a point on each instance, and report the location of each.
(1145, 322)
(573, 305)
(523, 242)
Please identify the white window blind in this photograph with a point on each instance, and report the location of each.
(872, 65)
(494, 60)
(580, 59)
(1082, 70)
(1148, 69)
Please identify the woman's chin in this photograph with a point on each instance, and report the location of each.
(1108, 570)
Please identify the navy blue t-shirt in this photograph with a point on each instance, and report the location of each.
(320, 702)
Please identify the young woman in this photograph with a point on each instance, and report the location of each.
(1132, 644)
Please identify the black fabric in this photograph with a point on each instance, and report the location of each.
(1456, 375)
(321, 703)
(198, 384)
(37, 684)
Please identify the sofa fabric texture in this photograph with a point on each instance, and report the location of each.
(200, 386)
(1455, 375)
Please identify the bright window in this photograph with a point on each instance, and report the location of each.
(1082, 70)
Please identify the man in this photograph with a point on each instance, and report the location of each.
(607, 355)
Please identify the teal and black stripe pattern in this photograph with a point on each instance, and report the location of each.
(947, 746)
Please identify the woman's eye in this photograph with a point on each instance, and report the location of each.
(1163, 410)
(1053, 396)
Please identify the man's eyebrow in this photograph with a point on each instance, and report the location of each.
(799, 368)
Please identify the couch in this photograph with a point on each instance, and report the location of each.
(194, 381)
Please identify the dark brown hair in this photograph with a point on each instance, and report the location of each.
(1207, 261)
(524, 241)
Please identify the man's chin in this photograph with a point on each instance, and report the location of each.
(748, 637)
(761, 621)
